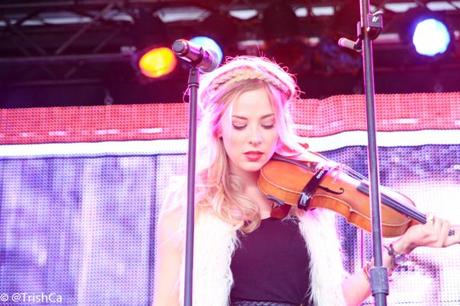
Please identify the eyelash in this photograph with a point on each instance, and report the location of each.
(237, 127)
(266, 126)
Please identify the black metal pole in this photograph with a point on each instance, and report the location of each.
(193, 83)
(379, 275)
(206, 61)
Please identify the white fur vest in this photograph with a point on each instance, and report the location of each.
(215, 242)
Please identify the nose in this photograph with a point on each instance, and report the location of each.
(255, 138)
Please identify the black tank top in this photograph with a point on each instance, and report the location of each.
(272, 264)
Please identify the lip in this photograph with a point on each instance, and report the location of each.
(253, 155)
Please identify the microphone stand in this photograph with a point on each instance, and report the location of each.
(193, 82)
(198, 58)
(369, 28)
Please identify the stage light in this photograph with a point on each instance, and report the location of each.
(209, 44)
(429, 33)
(157, 62)
(431, 37)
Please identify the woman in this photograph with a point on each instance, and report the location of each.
(242, 255)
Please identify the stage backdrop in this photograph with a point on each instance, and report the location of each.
(80, 190)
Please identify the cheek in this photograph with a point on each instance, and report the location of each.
(231, 138)
(232, 146)
(272, 137)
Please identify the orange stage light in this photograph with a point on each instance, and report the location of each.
(157, 62)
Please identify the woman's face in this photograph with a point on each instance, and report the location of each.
(248, 131)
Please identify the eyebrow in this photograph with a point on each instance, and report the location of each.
(263, 117)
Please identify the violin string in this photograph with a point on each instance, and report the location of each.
(386, 199)
(392, 203)
(363, 184)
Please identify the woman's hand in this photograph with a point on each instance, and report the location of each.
(437, 233)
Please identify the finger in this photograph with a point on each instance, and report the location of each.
(429, 218)
(437, 225)
(456, 232)
(454, 236)
(444, 234)
(428, 227)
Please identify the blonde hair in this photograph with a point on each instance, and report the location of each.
(216, 189)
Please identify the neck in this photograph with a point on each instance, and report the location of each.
(248, 179)
(252, 191)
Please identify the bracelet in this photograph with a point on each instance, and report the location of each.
(367, 271)
(396, 258)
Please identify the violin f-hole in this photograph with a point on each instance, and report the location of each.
(340, 191)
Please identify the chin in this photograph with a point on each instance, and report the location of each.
(253, 166)
(252, 169)
(243, 165)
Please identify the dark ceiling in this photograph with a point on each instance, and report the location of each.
(82, 52)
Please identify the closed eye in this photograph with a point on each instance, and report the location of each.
(239, 126)
(268, 126)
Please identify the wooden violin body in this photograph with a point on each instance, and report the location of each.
(337, 188)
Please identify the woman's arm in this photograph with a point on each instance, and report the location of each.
(435, 233)
(357, 287)
(169, 258)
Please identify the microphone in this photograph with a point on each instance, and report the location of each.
(205, 60)
(349, 44)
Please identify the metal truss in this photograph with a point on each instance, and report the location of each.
(96, 41)
(55, 41)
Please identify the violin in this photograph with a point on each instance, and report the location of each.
(325, 184)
